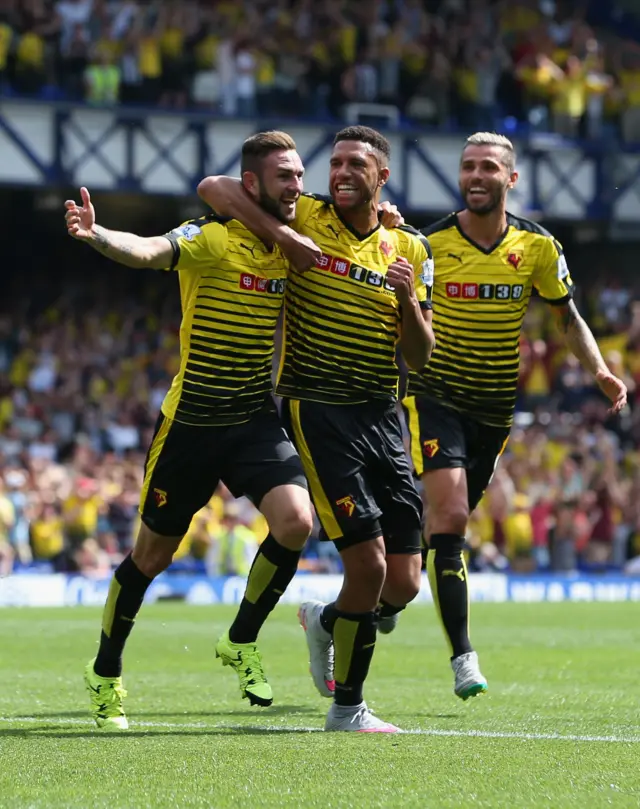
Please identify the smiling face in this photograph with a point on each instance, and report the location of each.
(277, 184)
(356, 174)
(485, 178)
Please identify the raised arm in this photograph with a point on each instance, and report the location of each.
(581, 342)
(155, 253)
(227, 197)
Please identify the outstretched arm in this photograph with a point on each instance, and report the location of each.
(227, 197)
(126, 248)
(582, 343)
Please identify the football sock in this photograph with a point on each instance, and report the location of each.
(273, 568)
(126, 593)
(354, 640)
(448, 579)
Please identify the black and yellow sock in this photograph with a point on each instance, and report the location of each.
(386, 610)
(126, 594)
(448, 579)
(354, 640)
(273, 568)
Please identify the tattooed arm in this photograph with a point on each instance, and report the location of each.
(582, 343)
(126, 248)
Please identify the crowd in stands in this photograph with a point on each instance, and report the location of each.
(567, 66)
(87, 356)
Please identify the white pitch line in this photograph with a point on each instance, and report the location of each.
(469, 734)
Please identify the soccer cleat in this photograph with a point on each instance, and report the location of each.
(357, 718)
(246, 661)
(388, 624)
(320, 645)
(469, 679)
(106, 695)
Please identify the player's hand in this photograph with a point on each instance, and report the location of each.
(389, 215)
(80, 220)
(614, 389)
(400, 277)
(301, 251)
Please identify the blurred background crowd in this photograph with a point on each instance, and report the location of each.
(567, 66)
(87, 353)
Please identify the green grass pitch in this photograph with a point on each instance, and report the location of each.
(560, 726)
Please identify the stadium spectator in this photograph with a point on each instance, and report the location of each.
(542, 65)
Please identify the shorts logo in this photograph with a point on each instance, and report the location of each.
(346, 505)
(161, 497)
(431, 447)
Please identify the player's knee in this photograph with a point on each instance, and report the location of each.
(292, 526)
(402, 584)
(449, 518)
(366, 564)
(153, 553)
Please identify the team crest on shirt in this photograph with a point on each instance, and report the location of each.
(386, 249)
(514, 258)
(188, 231)
(346, 505)
(431, 447)
(161, 497)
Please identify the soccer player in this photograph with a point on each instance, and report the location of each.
(460, 407)
(339, 379)
(218, 421)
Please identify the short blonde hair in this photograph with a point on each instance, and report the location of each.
(493, 139)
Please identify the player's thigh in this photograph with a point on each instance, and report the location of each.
(393, 486)
(180, 476)
(436, 434)
(440, 454)
(485, 450)
(327, 438)
(262, 464)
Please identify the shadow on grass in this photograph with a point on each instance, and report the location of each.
(273, 710)
(49, 732)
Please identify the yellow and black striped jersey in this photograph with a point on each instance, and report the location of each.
(479, 302)
(231, 288)
(342, 319)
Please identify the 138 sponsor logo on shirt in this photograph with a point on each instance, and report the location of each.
(347, 269)
(484, 292)
(253, 283)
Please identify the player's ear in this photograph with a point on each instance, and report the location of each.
(383, 176)
(513, 179)
(251, 183)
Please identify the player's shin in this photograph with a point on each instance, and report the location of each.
(126, 593)
(354, 640)
(271, 572)
(447, 573)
